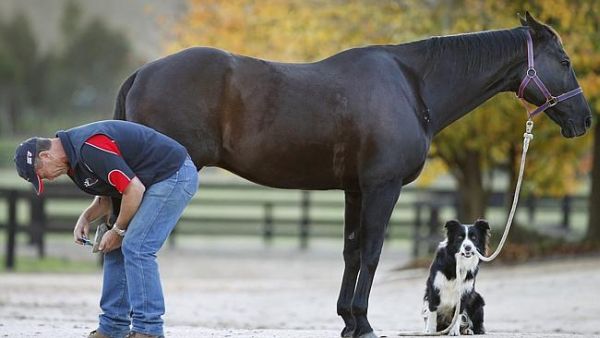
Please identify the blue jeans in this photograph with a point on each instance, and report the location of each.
(131, 291)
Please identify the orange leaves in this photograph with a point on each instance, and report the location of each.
(290, 30)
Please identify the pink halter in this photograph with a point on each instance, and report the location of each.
(531, 74)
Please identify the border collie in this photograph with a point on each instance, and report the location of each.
(441, 291)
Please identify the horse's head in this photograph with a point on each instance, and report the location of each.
(553, 68)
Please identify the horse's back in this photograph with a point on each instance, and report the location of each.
(285, 125)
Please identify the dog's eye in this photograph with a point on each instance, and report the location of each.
(473, 237)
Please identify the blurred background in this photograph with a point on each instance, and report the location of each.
(62, 62)
(250, 257)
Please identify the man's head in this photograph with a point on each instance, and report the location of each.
(40, 158)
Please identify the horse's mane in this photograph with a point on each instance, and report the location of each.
(474, 52)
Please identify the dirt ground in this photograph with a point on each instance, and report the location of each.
(240, 288)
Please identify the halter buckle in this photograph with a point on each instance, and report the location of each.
(552, 101)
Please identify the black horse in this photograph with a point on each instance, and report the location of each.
(360, 121)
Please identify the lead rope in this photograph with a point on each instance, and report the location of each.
(527, 137)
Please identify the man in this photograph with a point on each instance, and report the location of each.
(147, 179)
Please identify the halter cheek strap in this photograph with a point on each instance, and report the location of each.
(531, 75)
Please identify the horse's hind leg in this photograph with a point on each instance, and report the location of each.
(377, 205)
(351, 261)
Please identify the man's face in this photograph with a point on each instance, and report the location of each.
(47, 166)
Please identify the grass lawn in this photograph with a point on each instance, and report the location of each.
(50, 264)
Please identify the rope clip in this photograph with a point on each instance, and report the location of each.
(528, 128)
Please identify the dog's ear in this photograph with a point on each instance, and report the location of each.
(484, 228)
(452, 225)
(482, 224)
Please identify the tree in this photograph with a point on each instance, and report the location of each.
(72, 82)
(292, 30)
(18, 59)
(580, 21)
(500, 124)
(81, 75)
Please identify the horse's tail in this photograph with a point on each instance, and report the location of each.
(119, 113)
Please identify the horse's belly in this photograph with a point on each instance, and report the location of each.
(304, 166)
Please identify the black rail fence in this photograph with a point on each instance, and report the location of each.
(246, 209)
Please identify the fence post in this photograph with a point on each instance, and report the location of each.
(268, 224)
(531, 204)
(417, 229)
(566, 209)
(434, 221)
(304, 218)
(11, 230)
(38, 223)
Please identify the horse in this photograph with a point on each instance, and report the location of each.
(360, 121)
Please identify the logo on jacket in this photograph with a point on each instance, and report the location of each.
(88, 182)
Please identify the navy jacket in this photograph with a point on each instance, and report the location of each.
(148, 154)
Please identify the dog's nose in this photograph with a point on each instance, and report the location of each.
(468, 247)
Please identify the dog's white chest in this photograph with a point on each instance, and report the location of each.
(448, 289)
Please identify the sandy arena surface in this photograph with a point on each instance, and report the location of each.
(223, 288)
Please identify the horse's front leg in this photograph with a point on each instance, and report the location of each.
(377, 205)
(351, 261)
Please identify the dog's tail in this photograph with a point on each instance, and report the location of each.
(120, 112)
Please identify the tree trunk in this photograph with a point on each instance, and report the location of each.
(472, 197)
(593, 231)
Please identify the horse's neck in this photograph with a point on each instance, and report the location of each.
(461, 72)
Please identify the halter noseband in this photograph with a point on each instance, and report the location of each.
(531, 74)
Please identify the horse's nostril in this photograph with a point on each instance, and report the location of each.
(588, 121)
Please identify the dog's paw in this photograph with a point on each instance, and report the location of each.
(454, 331)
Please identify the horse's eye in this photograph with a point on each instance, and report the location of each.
(566, 62)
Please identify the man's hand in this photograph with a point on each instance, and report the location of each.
(81, 230)
(100, 206)
(110, 241)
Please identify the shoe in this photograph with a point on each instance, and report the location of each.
(141, 335)
(97, 334)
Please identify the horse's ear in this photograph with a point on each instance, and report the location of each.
(522, 19)
(532, 23)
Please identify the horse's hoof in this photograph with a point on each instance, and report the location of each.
(368, 335)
